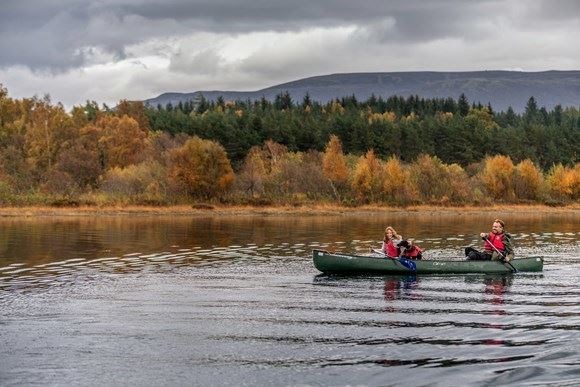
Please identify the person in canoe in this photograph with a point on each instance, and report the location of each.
(394, 246)
(497, 245)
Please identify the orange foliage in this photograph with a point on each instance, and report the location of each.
(135, 110)
(333, 162)
(80, 157)
(201, 168)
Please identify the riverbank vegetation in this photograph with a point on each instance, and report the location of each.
(394, 152)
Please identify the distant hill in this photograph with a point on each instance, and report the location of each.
(500, 88)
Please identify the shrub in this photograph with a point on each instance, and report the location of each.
(201, 168)
(564, 182)
(397, 184)
(368, 176)
(497, 177)
(527, 180)
(144, 183)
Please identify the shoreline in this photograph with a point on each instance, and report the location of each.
(224, 210)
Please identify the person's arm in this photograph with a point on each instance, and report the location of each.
(508, 247)
(487, 246)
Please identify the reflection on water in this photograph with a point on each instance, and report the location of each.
(236, 300)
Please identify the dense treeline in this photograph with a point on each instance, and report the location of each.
(393, 151)
(454, 131)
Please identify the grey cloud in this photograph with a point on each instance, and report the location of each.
(204, 62)
(53, 33)
(400, 35)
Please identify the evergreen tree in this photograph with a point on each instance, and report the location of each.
(463, 105)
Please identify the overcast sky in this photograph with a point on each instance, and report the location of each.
(108, 50)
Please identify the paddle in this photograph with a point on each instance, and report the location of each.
(407, 263)
(513, 269)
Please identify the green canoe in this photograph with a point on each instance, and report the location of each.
(352, 264)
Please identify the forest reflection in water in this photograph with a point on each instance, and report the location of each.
(33, 241)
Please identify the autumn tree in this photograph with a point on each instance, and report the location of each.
(14, 168)
(334, 165)
(47, 128)
(252, 174)
(135, 110)
(527, 180)
(497, 176)
(368, 178)
(201, 168)
(123, 142)
(397, 184)
(81, 158)
(430, 176)
(564, 182)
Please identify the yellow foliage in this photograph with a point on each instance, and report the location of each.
(481, 118)
(253, 172)
(378, 117)
(123, 142)
(143, 181)
(564, 182)
(368, 177)
(444, 117)
(333, 162)
(336, 107)
(47, 128)
(395, 176)
(527, 180)
(459, 189)
(429, 175)
(397, 183)
(497, 177)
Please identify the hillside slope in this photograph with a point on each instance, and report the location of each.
(500, 88)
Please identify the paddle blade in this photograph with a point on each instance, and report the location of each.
(409, 264)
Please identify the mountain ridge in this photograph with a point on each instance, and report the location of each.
(500, 88)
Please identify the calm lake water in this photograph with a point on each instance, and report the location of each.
(236, 300)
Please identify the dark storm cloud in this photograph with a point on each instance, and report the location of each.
(60, 34)
(115, 49)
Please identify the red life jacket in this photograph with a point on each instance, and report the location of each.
(390, 249)
(412, 252)
(496, 240)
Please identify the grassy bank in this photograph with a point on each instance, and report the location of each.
(210, 210)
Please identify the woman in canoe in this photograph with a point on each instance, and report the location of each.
(390, 243)
(395, 246)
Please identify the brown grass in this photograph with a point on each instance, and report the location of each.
(319, 209)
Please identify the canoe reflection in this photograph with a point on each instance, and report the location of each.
(497, 286)
(400, 286)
